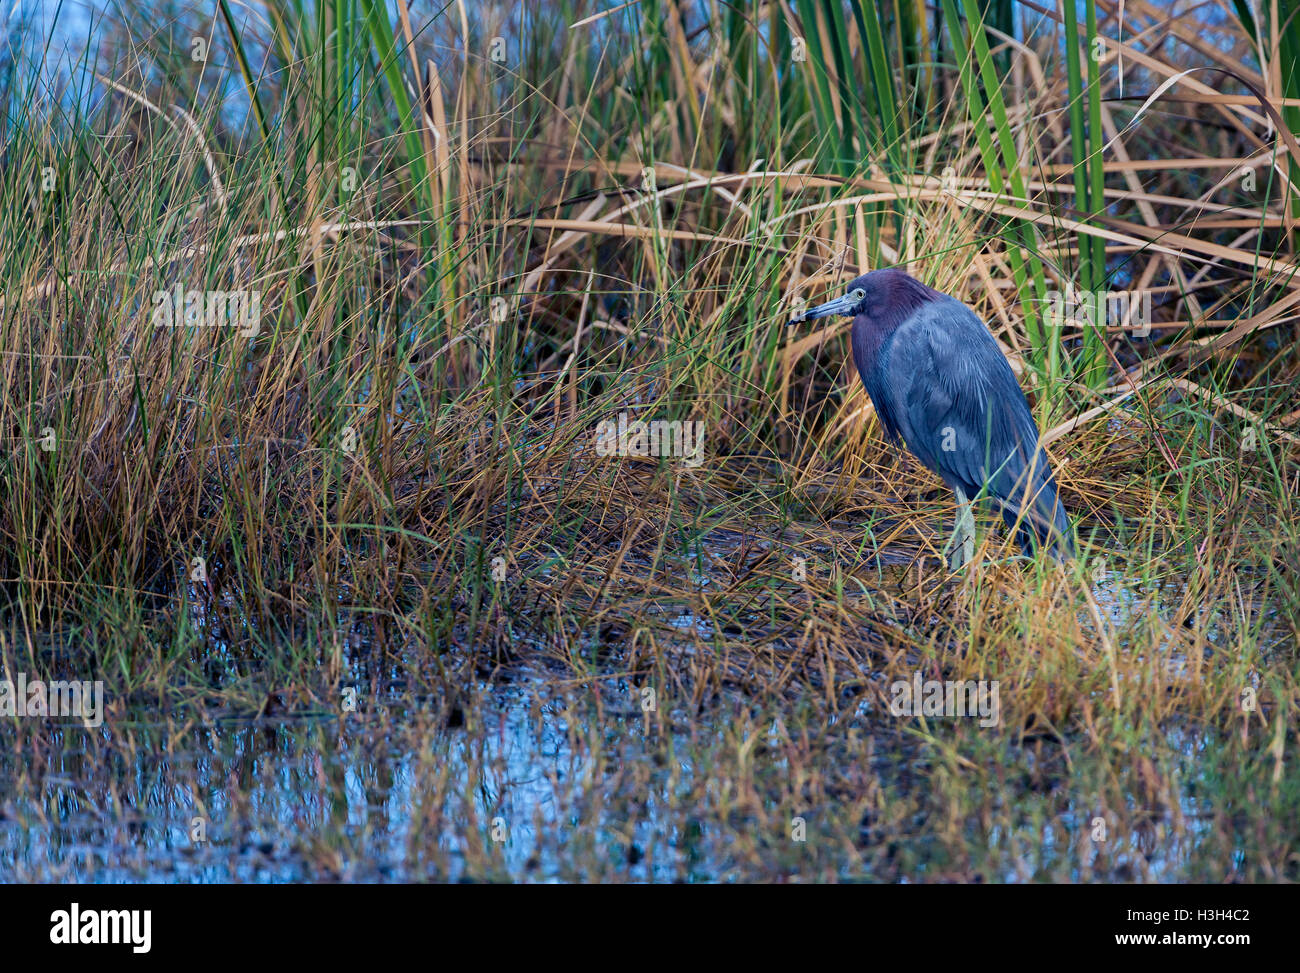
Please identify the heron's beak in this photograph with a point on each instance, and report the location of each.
(841, 305)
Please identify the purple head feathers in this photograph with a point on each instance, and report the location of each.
(884, 297)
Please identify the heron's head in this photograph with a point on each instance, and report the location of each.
(880, 294)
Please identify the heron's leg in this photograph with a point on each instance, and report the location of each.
(962, 542)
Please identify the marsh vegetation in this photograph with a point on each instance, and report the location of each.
(367, 600)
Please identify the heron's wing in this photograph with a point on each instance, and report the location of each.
(964, 415)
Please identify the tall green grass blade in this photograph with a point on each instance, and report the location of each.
(1002, 167)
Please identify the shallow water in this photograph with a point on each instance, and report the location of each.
(298, 799)
(561, 788)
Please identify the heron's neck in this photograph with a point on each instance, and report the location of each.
(868, 334)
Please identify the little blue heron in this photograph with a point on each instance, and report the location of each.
(940, 382)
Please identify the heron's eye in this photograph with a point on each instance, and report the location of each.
(857, 293)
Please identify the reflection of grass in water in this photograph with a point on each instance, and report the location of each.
(393, 489)
(581, 786)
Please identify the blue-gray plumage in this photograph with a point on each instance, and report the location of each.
(940, 383)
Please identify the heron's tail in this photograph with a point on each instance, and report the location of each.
(1034, 511)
